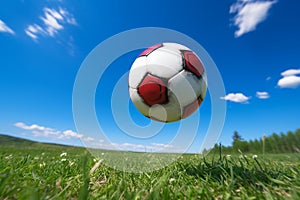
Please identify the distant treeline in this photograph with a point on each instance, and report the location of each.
(275, 143)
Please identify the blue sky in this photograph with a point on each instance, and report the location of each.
(255, 45)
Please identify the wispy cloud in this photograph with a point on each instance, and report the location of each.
(33, 127)
(70, 134)
(53, 21)
(161, 145)
(291, 72)
(262, 95)
(153, 147)
(289, 79)
(90, 142)
(42, 131)
(236, 97)
(4, 28)
(249, 13)
(33, 30)
(89, 139)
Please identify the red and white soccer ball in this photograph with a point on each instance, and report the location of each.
(167, 82)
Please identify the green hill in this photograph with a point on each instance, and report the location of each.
(7, 141)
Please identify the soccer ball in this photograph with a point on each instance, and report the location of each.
(167, 82)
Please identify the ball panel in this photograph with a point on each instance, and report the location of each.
(191, 108)
(185, 87)
(164, 63)
(193, 63)
(153, 90)
(165, 113)
(203, 86)
(175, 46)
(137, 72)
(138, 102)
(150, 50)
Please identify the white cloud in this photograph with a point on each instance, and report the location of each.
(53, 13)
(88, 139)
(289, 79)
(153, 147)
(68, 17)
(236, 97)
(131, 146)
(90, 142)
(33, 127)
(289, 82)
(262, 95)
(42, 131)
(53, 21)
(249, 13)
(33, 30)
(71, 134)
(290, 72)
(160, 145)
(4, 28)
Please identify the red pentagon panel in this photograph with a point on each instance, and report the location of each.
(150, 50)
(190, 109)
(193, 64)
(153, 90)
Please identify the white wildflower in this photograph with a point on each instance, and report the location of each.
(102, 154)
(63, 160)
(43, 164)
(254, 156)
(172, 180)
(63, 154)
(9, 157)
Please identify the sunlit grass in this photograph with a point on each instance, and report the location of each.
(74, 173)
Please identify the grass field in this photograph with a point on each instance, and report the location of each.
(58, 172)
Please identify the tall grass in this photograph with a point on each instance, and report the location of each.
(67, 174)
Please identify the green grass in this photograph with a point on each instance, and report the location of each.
(46, 173)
